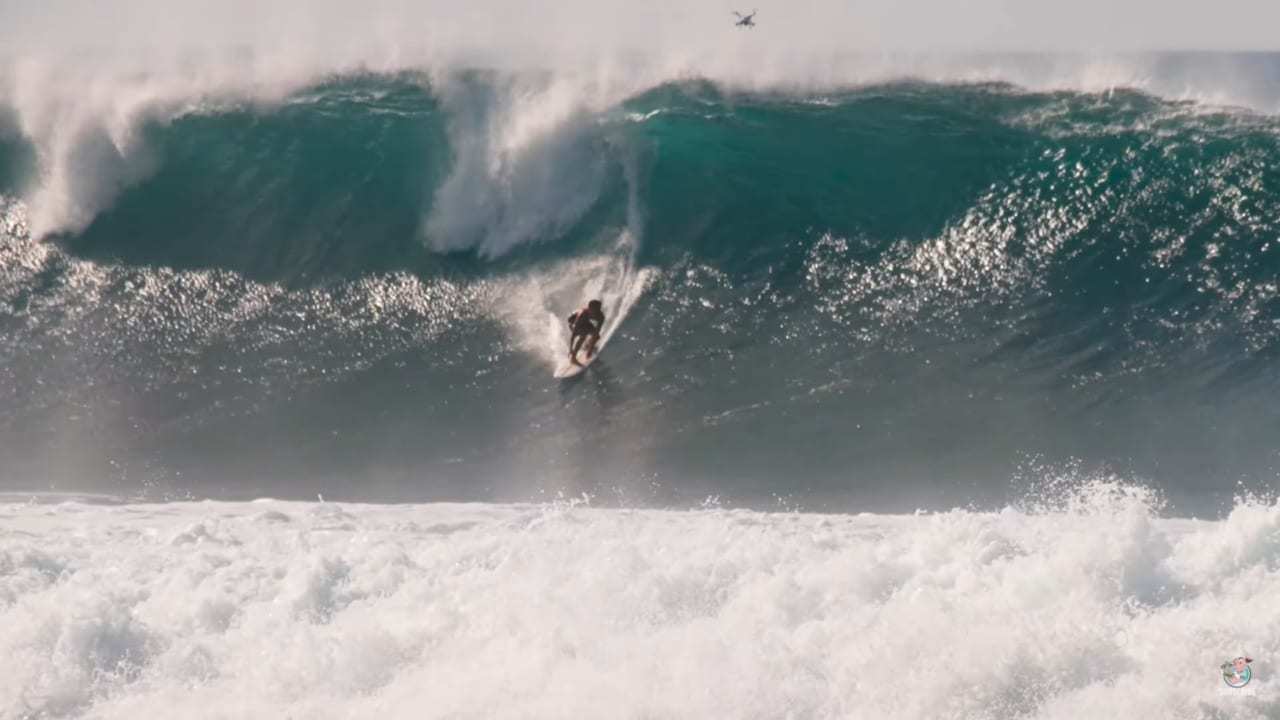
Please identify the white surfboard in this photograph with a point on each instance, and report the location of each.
(568, 369)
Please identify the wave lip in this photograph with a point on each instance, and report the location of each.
(88, 116)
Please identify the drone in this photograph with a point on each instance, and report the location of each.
(745, 20)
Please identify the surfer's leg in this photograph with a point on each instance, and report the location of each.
(575, 344)
(591, 345)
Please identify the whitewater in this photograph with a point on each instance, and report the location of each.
(1093, 607)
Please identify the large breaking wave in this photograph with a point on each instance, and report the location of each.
(328, 252)
(884, 296)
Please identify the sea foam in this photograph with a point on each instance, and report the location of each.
(1098, 608)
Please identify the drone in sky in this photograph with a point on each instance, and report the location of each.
(745, 21)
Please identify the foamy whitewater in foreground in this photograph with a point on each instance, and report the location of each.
(313, 610)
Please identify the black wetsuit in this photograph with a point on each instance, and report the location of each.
(586, 322)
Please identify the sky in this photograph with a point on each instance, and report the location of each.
(577, 26)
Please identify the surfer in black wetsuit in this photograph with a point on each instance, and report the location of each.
(584, 328)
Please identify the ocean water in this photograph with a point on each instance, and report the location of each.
(880, 298)
(927, 393)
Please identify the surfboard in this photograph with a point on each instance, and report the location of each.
(568, 369)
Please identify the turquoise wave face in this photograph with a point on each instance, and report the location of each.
(333, 181)
(898, 296)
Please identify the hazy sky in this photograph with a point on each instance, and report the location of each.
(594, 25)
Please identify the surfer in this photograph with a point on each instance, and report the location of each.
(584, 327)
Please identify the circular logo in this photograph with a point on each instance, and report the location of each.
(1237, 673)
